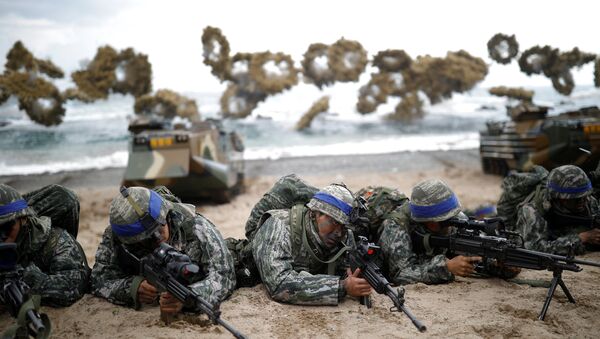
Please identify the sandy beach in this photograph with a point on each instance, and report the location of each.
(468, 307)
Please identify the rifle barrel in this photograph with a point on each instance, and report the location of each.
(389, 291)
(584, 262)
(567, 260)
(36, 322)
(419, 325)
(230, 328)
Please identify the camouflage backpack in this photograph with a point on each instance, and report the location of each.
(58, 203)
(518, 188)
(288, 191)
(381, 203)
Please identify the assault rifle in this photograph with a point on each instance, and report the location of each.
(501, 247)
(168, 270)
(15, 296)
(361, 256)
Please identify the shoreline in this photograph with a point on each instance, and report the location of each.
(303, 166)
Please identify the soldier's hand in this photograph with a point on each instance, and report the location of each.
(591, 237)
(462, 265)
(147, 294)
(169, 304)
(355, 286)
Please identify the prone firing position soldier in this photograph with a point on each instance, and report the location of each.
(297, 251)
(54, 263)
(141, 219)
(561, 215)
(431, 205)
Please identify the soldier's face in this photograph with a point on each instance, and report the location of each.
(573, 205)
(164, 233)
(330, 231)
(148, 245)
(10, 230)
(437, 227)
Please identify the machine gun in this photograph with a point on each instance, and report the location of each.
(502, 248)
(361, 256)
(15, 296)
(168, 270)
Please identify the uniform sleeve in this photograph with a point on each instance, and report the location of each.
(272, 251)
(404, 266)
(108, 280)
(210, 250)
(64, 280)
(534, 229)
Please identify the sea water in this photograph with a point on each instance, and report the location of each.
(95, 136)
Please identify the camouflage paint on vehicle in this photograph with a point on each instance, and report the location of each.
(199, 161)
(532, 138)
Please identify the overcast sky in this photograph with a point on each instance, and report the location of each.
(169, 32)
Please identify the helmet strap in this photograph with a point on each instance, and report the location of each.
(132, 202)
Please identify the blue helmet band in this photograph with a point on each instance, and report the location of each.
(13, 207)
(145, 222)
(333, 201)
(491, 209)
(570, 190)
(434, 210)
(155, 203)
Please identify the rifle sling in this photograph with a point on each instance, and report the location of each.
(331, 262)
(430, 241)
(426, 244)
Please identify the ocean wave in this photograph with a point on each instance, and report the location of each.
(375, 146)
(116, 159)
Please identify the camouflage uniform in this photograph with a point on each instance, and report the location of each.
(381, 203)
(431, 200)
(404, 266)
(54, 263)
(291, 257)
(535, 219)
(191, 233)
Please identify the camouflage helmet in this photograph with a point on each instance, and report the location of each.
(137, 213)
(433, 200)
(568, 182)
(12, 205)
(335, 201)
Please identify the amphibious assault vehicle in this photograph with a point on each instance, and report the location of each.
(531, 137)
(193, 159)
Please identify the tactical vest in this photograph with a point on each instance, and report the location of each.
(312, 262)
(307, 257)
